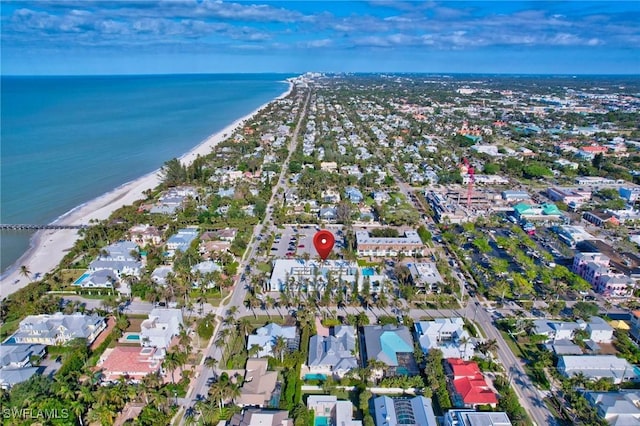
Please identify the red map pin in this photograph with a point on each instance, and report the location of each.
(323, 242)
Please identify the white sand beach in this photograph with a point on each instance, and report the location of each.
(48, 247)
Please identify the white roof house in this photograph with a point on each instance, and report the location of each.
(333, 354)
(58, 329)
(598, 366)
(446, 334)
(599, 330)
(425, 276)
(555, 330)
(120, 258)
(161, 327)
(466, 417)
(159, 275)
(338, 412)
(619, 408)
(265, 338)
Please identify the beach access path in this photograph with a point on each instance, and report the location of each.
(48, 247)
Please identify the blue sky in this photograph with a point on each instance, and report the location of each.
(190, 36)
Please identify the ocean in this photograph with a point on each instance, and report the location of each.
(67, 140)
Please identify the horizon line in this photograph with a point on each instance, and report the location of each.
(433, 73)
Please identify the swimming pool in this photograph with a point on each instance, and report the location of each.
(367, 272)
(313, 376)
(321, 421)
(81, 278)
(135, 337)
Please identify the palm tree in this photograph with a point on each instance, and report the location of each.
(210, 362)
(171, 362)
(25, 272)
(254, 350)
(244, 326)
(279, 347)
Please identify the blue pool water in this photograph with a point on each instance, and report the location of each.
(367, 272)
(315, 377)
(81, 278)
(133, 337)
(321, 421)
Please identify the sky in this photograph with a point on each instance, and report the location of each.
(71, 37)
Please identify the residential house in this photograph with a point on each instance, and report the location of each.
(425, 277)
(328, 214)
(333, 354)
(404, 411)
(18, 356)
(162, 325)
(475, 418)
(447, 335)
(390, 345)
(339, 413)
(469, 389)
(265, 337)
(159, 275)
(130, 362)
(181, 240)
(261, 417)
(409, 245)
(121, 258)
(58, 328)
(380, 196)
(102, 278)
(259, 384)
(206, 267)
(15, 363)
(555, 330)
(353, 194)
(142, 235)
(599, 330)
(12, 376)
(598, 366)
(618, 408)
(330, 196)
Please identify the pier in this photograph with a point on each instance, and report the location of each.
(32, 227)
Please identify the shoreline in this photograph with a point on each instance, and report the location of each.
(48, 247)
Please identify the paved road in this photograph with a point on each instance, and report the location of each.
(200, 387)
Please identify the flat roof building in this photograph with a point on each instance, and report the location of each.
(416, 411)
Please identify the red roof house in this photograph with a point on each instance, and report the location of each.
(132, 362)
(470, 388)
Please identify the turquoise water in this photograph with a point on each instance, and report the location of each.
(67, 140)
(81, 278)
(367, 272)
(315, 377)
(321, 421)
(133, 337)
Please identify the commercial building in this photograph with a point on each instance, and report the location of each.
(408, 245)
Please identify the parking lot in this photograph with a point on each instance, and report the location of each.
(295, 241)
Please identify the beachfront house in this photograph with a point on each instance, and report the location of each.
(115, 261)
